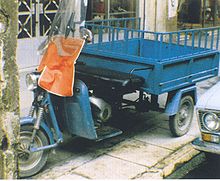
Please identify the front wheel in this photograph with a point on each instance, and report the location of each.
(180, 123)
(31, 163)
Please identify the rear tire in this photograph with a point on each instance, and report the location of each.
(180, 123)
(31, 163)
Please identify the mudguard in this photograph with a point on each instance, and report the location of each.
(78, 114)
(44, 127)
(172, 105)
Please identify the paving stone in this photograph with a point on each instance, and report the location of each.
(108, 167)
(70, 177)
(60, 169)
(163, 138)
(139, 152)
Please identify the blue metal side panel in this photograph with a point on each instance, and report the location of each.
(179, 73)
(175, 75)
(166, 50)
(30, 121)
(172, 106)
(131, 47)
(78, 112)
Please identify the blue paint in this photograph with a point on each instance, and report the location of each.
(78, 114)
(173, 104)
(177, 59)
(53, 117)
(44, 127)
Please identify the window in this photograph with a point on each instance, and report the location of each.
(105, 9)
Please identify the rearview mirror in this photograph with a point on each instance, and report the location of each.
(86, 34)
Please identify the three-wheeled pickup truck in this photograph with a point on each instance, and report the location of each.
(120, 60)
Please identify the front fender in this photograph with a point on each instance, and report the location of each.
(44, 127)
(78, 112)
(172, 105)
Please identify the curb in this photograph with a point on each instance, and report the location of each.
(171, 163)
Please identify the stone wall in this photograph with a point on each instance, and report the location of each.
(9, 90)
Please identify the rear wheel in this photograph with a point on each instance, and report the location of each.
(180, 123)
(31, 163)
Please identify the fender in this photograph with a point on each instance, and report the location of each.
(78, 112)
(173, 103)
(30, 120)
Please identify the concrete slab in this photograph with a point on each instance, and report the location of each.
(64, 168)
(108, 167)
(139, 152)
(70, 177)
(163, 138)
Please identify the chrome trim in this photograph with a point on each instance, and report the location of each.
(199, 114)
(206, 146)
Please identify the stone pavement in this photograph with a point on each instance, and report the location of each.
(152, 153)
(146, 149)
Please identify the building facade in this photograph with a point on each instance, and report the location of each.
(35, 17)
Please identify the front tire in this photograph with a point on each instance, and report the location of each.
(31, 163)
(180, 123)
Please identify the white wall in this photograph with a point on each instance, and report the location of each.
(156, 15)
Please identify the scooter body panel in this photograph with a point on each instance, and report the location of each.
(78, 114)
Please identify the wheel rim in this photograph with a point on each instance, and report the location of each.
(185, 115)
(28, 160)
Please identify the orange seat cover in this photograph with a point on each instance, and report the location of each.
(57, 65)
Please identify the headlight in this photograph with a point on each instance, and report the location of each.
(31, 81)
(211, 121)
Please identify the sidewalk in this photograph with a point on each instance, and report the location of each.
(149, 153)
(146, 149)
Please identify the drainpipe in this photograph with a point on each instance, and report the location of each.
(155, 19)
(144, 14)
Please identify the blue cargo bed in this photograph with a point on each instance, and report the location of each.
(159, 62)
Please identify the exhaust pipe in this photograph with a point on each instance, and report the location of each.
(103, 110)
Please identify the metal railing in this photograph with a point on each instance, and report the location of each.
(159, 45)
